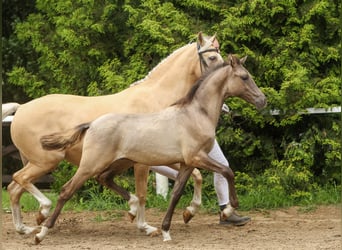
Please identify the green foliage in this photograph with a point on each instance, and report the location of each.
(90, 47)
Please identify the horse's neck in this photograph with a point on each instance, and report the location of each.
(175, 75)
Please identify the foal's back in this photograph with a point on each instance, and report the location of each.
(145, 138)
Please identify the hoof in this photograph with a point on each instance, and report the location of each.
(40, 236)
(37, 240)
(155, 233)
(131, 217)
(187, 216)
(166, 236)
(27, 230)
(40, 219)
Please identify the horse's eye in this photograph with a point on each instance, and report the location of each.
(212, 58)
(244, 77)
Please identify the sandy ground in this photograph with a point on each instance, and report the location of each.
(290, 228)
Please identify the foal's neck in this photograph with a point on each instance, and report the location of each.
(209, 97)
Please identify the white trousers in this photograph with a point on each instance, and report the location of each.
(220, 183)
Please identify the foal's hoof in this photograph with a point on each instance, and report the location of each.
(131, 217)
(37, 240)
(187, 216)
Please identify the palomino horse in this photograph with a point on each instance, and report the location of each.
(166, 83)
(193, 120)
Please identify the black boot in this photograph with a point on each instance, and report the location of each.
(235, 220)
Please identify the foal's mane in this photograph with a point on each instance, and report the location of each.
(191, 93)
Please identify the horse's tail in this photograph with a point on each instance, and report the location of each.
(9, 109)
(63, 140)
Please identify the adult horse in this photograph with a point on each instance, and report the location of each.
(166, 83)
(193, 120)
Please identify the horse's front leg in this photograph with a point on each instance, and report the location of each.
(183, 176)
(141, 173)
(196, 202)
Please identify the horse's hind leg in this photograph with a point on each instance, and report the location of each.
(24, 178)
(15, 191)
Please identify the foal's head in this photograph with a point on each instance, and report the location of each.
(241, 83)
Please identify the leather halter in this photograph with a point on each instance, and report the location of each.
(200, 54)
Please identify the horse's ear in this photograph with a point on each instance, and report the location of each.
(213, 38)
(215, 42)
(243, 60)
(200, 38)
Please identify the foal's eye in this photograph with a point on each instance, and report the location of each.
(244, 77)
(212, 58)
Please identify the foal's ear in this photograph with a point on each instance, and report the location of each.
(243, 60)
(230, 60)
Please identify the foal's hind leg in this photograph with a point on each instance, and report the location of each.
(67, 192)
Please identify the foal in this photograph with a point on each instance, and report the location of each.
(192, 120)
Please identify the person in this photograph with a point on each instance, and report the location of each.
(220, 183)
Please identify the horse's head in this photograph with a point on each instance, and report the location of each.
(208, 49)
(241, 83)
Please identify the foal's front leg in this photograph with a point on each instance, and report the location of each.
(205, 162)
(182, 178)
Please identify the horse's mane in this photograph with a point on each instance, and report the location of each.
(191, 93)
(155, 68)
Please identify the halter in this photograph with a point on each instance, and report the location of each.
(200, 54)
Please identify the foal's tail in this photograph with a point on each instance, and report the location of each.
(63, 140)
